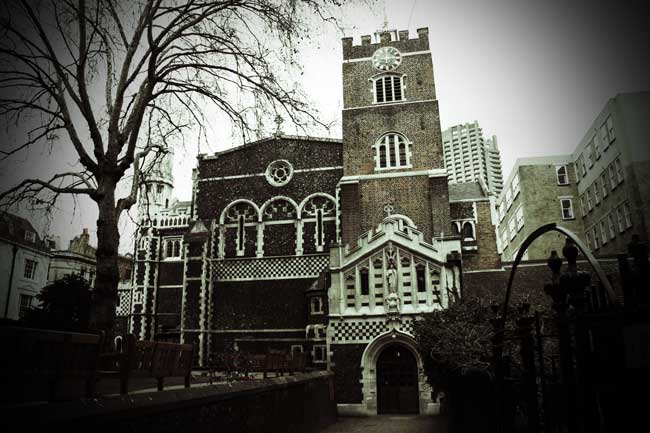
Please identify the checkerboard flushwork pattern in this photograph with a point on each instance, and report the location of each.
(364, 331)
(349, 331)
(124, 297)
(270, 268)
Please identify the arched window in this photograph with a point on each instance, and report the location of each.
(468, 231)
(388, 88)
(319, 210)
(392, 151)
(240, 215)
(169, 249)
(177, 248)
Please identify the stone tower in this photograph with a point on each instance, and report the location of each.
(156, 193)
(392, 149)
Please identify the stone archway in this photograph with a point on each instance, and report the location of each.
(397, 381)
(369, 360)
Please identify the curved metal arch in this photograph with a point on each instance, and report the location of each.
(277, 197)
(234, 202)
(316, 194)
(581, 246)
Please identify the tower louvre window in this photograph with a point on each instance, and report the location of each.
(388, 88)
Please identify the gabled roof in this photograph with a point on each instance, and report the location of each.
(279, 137)
(13, 228)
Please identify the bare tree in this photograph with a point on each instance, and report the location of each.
(121, 81)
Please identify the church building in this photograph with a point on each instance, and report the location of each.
(323, 246)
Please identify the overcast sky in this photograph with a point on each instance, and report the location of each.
(534, 73)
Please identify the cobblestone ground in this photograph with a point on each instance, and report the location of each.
(389, 424)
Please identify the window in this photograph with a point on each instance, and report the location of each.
(172, 248)
(512, 228)
(596, 190)
(504, 239)
(30, 269)
(628, 217)
(502, 212)
(619, 219)
(589, 204)
(388, 88)
(468, 231)
(588, 236)
(578, 169)
(30, 236)
(316, 305)
(515, 186)
(583, 207)
(596, 146)
(365, 281)
(296, 350)
(519, 215)
(610, 224)
(508, 198)
(603, 182)
(392, 150)
(562, 175)
(583, 166)
(567, 208)
(604, 136)
(421, 281)
(137, 297)
(613, 178)
(594, 233)
(25, 305)
(320, 353)
(603, 231)
(619, 170)
(590, 154)
(610, 129)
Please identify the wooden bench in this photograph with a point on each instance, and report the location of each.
(153, 359)
(44, 365)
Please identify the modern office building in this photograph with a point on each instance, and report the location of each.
(613, 166)
(538, 191)
(470, 157)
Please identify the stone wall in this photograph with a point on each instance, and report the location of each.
(300, 403)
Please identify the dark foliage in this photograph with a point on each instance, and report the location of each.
(64, 306)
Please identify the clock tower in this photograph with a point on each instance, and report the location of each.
(392, 147)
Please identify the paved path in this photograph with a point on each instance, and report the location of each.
(389, 424)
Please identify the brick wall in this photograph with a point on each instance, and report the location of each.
(419, 122)
(268, 304)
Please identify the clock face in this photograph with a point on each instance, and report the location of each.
(386, 58)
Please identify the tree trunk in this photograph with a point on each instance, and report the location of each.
(107, 277)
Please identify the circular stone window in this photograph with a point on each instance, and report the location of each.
(279, 172)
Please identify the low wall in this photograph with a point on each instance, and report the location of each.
(300, 403)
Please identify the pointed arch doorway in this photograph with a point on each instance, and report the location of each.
(397, 381)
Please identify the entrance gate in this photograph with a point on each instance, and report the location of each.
(397, 381)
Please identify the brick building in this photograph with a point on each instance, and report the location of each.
(323, 246)
(538, 191)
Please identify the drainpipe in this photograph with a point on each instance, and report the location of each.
(11, 278)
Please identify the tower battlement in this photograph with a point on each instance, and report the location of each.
(399, 39)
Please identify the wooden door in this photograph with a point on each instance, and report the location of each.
(397, 381)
